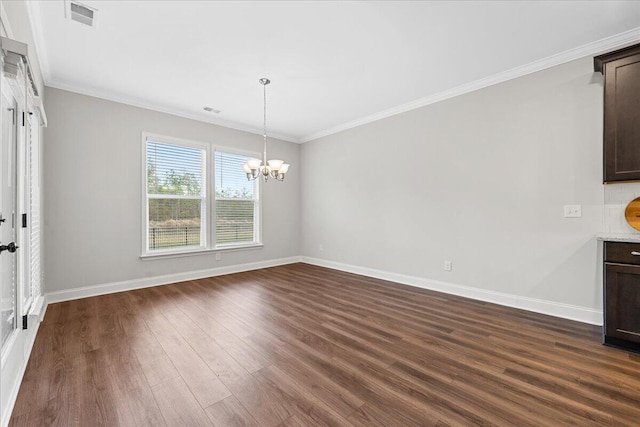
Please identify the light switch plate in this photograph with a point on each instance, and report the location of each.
(572, 211)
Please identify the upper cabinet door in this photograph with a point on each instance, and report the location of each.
(621, 113)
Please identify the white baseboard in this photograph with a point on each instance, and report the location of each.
(28, 342)
(552, 308)
(567, 311)
(127, 285)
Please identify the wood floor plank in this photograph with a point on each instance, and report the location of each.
(178, 405)
(133, 406)
(301, 345)
(294, 365)
(265, 403)
(229, 412)
(154, 362)
(305, 405)
(202, 381)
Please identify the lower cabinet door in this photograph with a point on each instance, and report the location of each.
(622, 305)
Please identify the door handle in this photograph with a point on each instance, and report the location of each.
(635, 253)
(11, 247)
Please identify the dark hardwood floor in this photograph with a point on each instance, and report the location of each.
(302, 345)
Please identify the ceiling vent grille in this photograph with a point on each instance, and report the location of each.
(80, 13)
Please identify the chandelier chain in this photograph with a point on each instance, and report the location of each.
(264, 83)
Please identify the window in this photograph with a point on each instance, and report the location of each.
(236, 201)
(175, 196)
(197, 198)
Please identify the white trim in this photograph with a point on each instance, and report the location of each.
(257, 202)
(593, 48)
(8, 344)
(596, 47)
(144, 202)
(174, 196)
(31, 339)
(204, 197)
(162, 254)
(38, 308)
(154, 137)
(208, 198)
(167, 109)
(552, 308)
(38, 106)
(582, 314)
(127, 285)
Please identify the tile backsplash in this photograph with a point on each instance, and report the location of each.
(616, 199)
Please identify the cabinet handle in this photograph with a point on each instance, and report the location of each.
(635, 253)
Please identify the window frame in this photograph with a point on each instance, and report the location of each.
(208, 220)
(257, 206)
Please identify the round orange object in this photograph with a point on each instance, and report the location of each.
(632, 213)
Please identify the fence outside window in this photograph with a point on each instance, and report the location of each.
(169, 237)
(180, 236)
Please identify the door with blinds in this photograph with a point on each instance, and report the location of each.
(21, 303)
(8, 225)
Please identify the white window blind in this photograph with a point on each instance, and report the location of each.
(176, 196)
(236, 201)
(35, 260)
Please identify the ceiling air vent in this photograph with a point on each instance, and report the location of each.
(80, 13)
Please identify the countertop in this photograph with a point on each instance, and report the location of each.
(619, 237)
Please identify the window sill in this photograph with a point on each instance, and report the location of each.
(179, 254)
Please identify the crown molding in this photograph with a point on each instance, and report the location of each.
(136, 102)
(33, 12)
(600, 46)
(614, 42)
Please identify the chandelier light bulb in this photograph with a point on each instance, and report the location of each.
(253, 164)
(275, 165)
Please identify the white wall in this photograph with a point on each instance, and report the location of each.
(481, 180)
(92, 187)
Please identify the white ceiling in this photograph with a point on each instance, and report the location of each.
(332, 64)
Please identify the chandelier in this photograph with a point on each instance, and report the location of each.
(254, 168)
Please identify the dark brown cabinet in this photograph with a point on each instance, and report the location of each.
(621, 71)
(622, 295)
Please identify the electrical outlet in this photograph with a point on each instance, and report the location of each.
(218, 256)
(320, 247)
(447, 265)
(572, 211)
